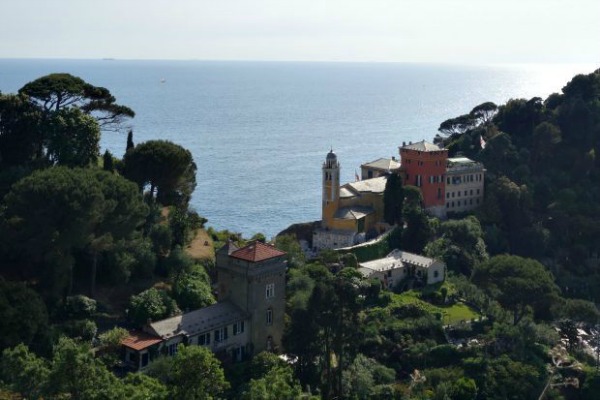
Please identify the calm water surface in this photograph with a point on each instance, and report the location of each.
(259, 131)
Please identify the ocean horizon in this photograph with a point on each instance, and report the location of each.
(259, 130)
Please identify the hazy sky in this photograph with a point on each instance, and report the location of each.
(455, 31)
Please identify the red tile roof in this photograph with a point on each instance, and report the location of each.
(257, 251)
(140, 340)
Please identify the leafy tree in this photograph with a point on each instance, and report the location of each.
(52, 213)
(21, 135)
(393, 200)
(162, 239)
(196, 374)
(24, 372)
(461, 245)
(457, 126)
(123, 213)
(363, 376)
(193, 290)
(110, 341)
(138, 386)
(484, 113)
(22, 312)
(545, 138)
(168, 169)
(73, 138)
(413, 198)
(578, 310)
(294, 254)
(151, 304)
(418, 230)
(108, 162)
(79, 306)
(517, 284)
(278, 383)
(76, 373)
(58, 91)
(464, 389)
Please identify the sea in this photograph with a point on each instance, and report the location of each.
(259, 131)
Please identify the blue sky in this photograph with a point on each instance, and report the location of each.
(453, 31)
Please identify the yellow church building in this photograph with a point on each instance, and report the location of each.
(351, 213)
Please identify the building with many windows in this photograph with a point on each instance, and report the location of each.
(464, 184)
(247, 319)
(400, 265)
(353, 212)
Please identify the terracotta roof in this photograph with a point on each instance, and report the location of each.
(257, 251)
(139, 340)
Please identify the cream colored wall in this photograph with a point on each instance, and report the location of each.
(438, 267)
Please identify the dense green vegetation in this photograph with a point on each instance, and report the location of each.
(89, 243)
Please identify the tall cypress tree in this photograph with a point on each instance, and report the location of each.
(130, 144)
(393, 200)
(108, 161)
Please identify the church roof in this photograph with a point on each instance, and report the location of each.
(385, 164)
(355, 212)
(198, 321)
(345, 193)
(422, 146)
(373, 185)
(257, 251)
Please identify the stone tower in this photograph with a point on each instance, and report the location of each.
(331, 188)
(253, 278)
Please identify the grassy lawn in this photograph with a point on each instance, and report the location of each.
(451, 314)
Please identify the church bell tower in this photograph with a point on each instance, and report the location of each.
(331, 188)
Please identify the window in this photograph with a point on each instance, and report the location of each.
(370, 174)
(269, 316)
(448, 181)
(471, 192)
(238, 328)
(389, 273)
(448, 205)
(458, 203)
(465, 192)
(270, 291)
(204, 339)
(477, 191)
(436, 274)
(458, 194)
(439, 193)
(452, 194)
(418, 181)
(470, 201)
(221, 334)
(447, 195)
(172, 349)
(145, 359)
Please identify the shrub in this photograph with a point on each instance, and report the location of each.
(79, 307)
(151, 304)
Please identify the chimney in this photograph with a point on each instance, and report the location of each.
(403, 144)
